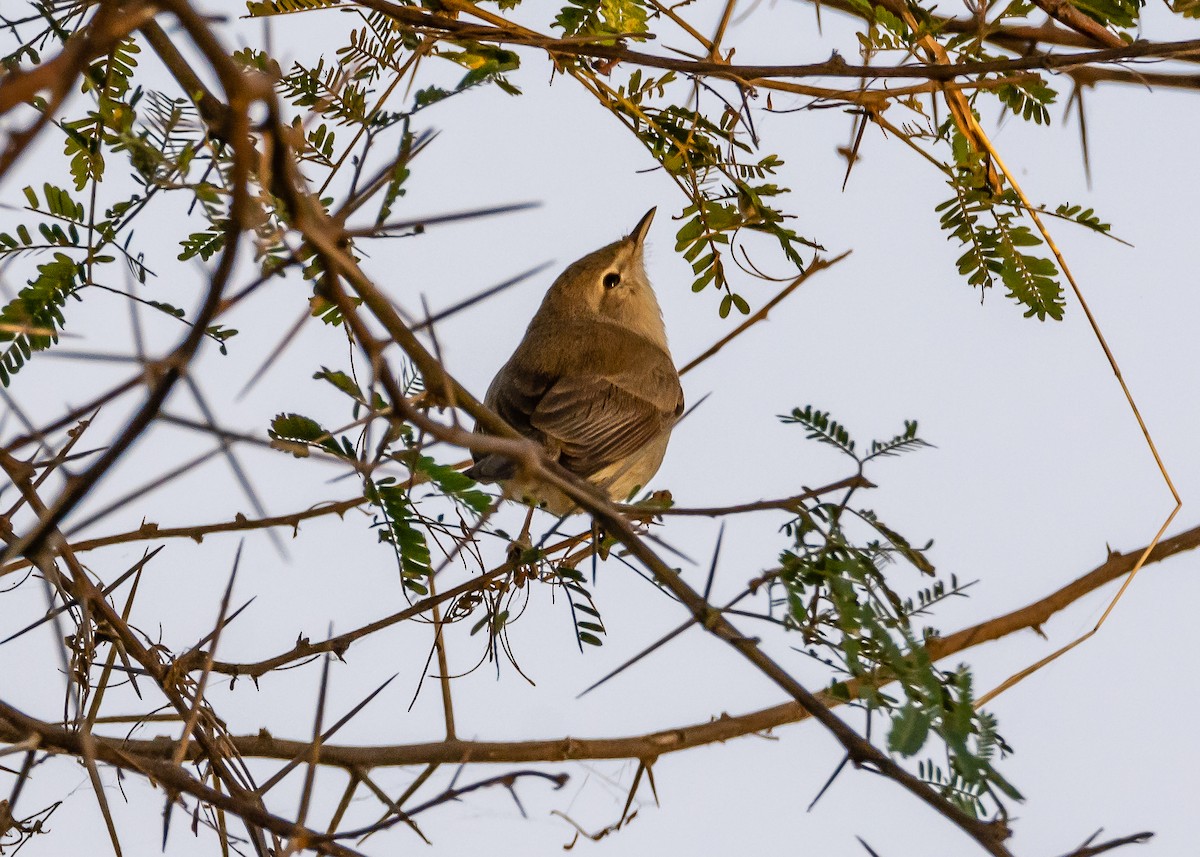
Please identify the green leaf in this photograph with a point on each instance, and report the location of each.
(916, 557)
(483, 61)
(903, 442)
(167, 308)
(602, 18)
(395, 186)
(401, 529)
(1116, 13)
(456, 485)
(294, 433)
(32, 320)
(343, 382)
(1085, 218)
(1028, 98)
(202, 244)
(1031, 281)
(265, 8)
(59, 202)
(910, 728)
(220, 333)
(821, 428)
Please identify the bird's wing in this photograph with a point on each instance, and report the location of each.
(589, 416)
(596, 420)
(513, 395)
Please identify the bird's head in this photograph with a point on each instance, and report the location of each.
(611, 284)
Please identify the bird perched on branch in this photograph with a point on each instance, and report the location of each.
(592, 380)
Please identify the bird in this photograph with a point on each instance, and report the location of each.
(592, 381)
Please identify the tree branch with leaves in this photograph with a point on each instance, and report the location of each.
(277, 173)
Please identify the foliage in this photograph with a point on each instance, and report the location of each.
(836, 596)
(328, 139)
(400, 528)
(603, 18)
(702, 156)
(31, 322)
(996, 241)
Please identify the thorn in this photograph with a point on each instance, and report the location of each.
(712, 570)
(864, 844)
(829, 782)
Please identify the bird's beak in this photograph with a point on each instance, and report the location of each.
(638, 235)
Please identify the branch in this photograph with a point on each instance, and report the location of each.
(1015, 37)
(150, 531)
(213, 111)
(317, 228)
(671, 740)
(817, 266)
(1091, 76)
(242, 92)
(111, 23)
(339, 644)
(788, 504)
(1033, 616)
(173, 779)
(754, 74)
(1104, 847)
(108, 26)
(1065, 13)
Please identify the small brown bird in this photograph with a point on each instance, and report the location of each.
(592, 381)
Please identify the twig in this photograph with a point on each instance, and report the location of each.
(817, 266)
(677, 738)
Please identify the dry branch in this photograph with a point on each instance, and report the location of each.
(651, 745)
(265, 161)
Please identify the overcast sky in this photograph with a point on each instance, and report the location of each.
(1038, 465)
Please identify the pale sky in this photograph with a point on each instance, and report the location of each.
(1038, 465)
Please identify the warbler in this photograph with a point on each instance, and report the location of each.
(592, 380)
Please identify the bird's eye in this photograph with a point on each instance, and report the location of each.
(612, 280)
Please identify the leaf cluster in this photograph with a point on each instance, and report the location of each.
(32, 321)
(401, 523)
(710, 160)
(607, 20)
(998, 244)
(836, 595)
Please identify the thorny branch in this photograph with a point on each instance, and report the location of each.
(245, 125)
(659, 743)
